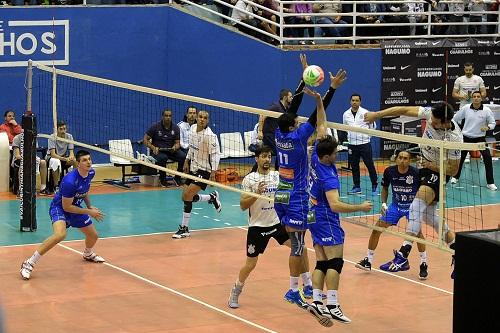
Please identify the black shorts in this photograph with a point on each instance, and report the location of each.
(258, 238)
(200, 174)
(431, 178)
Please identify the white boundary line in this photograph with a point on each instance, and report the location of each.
(388, 273)
(173, 291)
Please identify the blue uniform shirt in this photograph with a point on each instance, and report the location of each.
(404, 186)
(291, 151)
(73, 185)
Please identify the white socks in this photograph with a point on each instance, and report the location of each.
(306, 278)
(294, 283)
(370, 254)
(331, 297)
(185, 219)
(34, 258)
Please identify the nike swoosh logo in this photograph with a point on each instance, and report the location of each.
(496, 87)
(495, 133)
(404, 67)
(436, 89)
(435, 43)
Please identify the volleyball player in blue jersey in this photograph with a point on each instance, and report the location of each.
(66, 211)
(291, 199)
(405, 182)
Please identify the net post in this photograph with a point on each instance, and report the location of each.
(442, 182)
(54, 100)
(27, 170)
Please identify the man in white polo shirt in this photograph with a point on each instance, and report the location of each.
(478, 119)
(359, 144)
(466, 84)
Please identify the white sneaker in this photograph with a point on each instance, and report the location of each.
(492, 187)
(336, 313)
(93, 258)
(453, 180)
(26, 269)
(316, 309)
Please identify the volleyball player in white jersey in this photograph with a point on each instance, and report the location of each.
(263, 222)
(440, 126)
(202, 161)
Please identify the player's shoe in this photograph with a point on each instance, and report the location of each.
(364, 264)
(398, 264)
(423, 274)
(355, 190)
(183, 232)
(335, 312)
(26, 269)
(492, 187)
(295, 297)
(214, 200)
(233, 296)
(307, 292)
(93, 258)
(316, 309)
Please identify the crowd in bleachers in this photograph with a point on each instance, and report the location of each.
(256, 16)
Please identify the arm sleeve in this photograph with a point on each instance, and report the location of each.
(297, 98)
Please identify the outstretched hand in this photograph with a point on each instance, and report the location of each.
(303, 61)
(370, 117)
(312, 93)
(337, 80)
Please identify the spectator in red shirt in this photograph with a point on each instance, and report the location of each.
(10, 125)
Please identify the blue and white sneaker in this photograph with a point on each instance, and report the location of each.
(355, 190)
(295, 297)
(307, 292)
(398, 264)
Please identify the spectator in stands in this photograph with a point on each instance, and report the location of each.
(456, 16)
(163, 139)
(415, 15)
(10, 125)
(60, 154)
(185, 126)
(397, 30)
(494, 17)
(270, 28)
(476, 7)
(439, 18)
(41, 165)
(242, 14)
(333, 15)
(225, 9)
(302, 8)
(372, 16)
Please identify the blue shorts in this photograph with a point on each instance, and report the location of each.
(72, 220)
(324, 226)
(292, 210)
(394, 214)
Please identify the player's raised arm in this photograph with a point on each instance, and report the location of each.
(395, 111)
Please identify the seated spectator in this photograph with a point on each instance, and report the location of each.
(397, 19)
(270, 28)
(60, 155)
(302, 8)
(10, 125)
(331, 18)
(225, 9)
(439, 18)
(456, 16)
(41, 165)
(242, 14)
(185, 126)
(372, 16)
(475, 16)
(493, 17)
(163, 139)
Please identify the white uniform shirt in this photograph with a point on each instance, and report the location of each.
(349, 119)
(474, 120)
(203, 150)
(466, 86)
(431, 153)
(184, 128)
(261, 213)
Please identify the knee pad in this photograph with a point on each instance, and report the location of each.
(297, 243)
(188, 206)
(322, 266)
(336, 264)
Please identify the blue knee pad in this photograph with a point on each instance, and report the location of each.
(336, 264)
(322, 265)
(298, 243)
(188, 206)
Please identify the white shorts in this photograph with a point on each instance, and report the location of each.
(54, 164)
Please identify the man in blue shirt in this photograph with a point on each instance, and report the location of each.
(323, 221)
(405, 181)
(291, 199)
(66, 211)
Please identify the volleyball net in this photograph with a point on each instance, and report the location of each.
(99, 112)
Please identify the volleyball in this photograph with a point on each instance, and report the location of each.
(313, 75)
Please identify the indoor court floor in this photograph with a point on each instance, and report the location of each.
(153, 283)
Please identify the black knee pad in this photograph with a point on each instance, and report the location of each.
(336, 264)
(188, 206)
(297, 243)
(322, 266)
